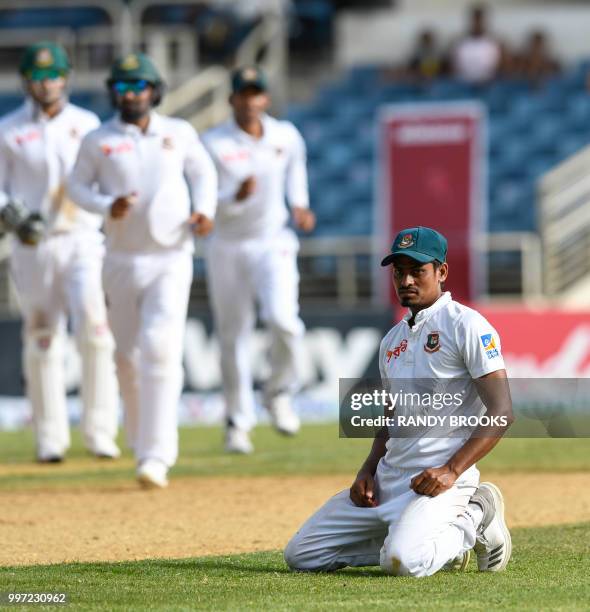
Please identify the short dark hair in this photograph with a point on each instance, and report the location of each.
(436, 264)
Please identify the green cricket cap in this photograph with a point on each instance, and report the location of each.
(44, 60)
(420, 243)
(134, 67)
(249, 76)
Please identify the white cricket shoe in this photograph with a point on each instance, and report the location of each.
(459, 563)
(238, 441)
(283, 417)
(493, 545)
(107, 449)
(152, 474)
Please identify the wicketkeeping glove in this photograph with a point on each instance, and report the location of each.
(29, 227)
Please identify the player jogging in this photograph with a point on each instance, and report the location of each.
(134, 171)
(252, 255)
(415, 506)
(56, 258)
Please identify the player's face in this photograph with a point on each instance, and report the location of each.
(134, 99)
(417, 285)
(47, 91)
(249, 104)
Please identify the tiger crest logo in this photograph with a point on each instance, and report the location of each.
(131, 62)
(432, 342)
(43, 58)
(249, 74)
(406, 241)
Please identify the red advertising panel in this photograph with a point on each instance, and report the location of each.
(542, 343)
(432, 160)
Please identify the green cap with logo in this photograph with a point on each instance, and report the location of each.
(134, 67)
(249, 76)
(420, 243)
(44, 60)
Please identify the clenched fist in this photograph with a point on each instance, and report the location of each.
(201, 224)
(247, 188)
(434, 481)
(303, 218)
(122, 205)
(362, 492)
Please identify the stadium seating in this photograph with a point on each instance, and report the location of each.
(530, 130)
(35, 17)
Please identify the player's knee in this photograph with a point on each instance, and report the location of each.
(292, 554)
(124, 363)
(400, 558)
(155, 348)
(95, 336)
(286, 329)
(42, 340)
(298, 559)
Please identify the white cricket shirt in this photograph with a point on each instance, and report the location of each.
(277, 160)
(36, 155)
(449, 345)
(119, 159)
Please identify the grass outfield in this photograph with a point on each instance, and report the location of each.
(549, 571)
(317, 450)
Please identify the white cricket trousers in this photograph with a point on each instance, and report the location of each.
(60, 277)
(241, 273)
(147, 300)
(407, 534)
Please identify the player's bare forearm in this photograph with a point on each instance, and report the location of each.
(363, 491)
(494, 392)
(378, 450)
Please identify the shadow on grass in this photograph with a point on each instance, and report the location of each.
(254, 566)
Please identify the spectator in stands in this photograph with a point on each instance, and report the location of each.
(537, 62)
(426, 60)
(478, 56)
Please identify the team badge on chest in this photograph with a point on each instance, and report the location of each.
(432, 342)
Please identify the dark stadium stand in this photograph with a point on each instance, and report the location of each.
(72, 17)
(530, 131)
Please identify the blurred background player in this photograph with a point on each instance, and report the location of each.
(252, 256)
(132, 170)
(56, 258)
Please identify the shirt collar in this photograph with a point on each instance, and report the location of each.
(244, 135)
(426, 313)
(34, 113)
(154, 126)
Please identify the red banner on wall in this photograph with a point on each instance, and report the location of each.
(542, 343)
(432, 162)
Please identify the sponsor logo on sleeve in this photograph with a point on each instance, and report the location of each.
(489, 345)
